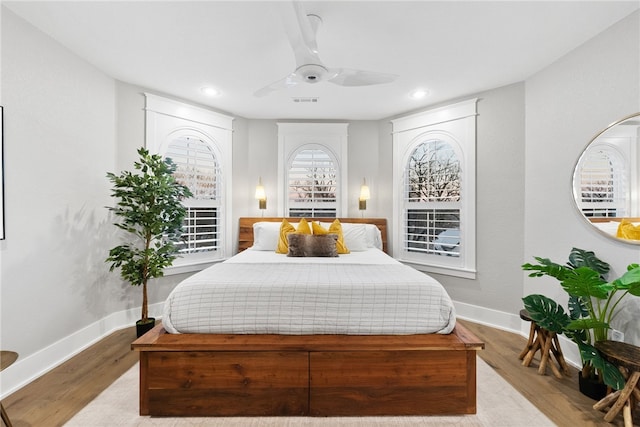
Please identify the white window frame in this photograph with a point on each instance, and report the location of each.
(455, 124)
(329, 137)
(166, 120)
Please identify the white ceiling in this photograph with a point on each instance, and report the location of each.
(450, 48)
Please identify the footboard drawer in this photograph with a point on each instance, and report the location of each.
(225, 383)
(392, 383)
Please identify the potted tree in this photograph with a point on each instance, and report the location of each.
(149, 208)
(592, 305)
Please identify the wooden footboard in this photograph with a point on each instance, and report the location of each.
(320, 375)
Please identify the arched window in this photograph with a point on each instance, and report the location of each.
(432, 181)
(312, 180)
(312, 169)
(602, 184)
(199, 143)
(434, 189)
(198, 169)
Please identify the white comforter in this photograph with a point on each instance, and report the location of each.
(261, 292)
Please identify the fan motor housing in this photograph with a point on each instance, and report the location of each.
(312, 73)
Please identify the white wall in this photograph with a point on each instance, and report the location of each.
(567, 104)
(59, 141)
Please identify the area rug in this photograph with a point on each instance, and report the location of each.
(498, 404)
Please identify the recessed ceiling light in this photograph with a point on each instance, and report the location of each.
(418, 93)
(210, 91)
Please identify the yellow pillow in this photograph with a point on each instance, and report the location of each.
(286, 228)
(334, 228)
(626, 230)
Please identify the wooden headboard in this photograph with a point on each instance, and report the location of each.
(245, 236)
(613, 219)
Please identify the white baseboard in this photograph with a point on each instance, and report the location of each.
(27, 369)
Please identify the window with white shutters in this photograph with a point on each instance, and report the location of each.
(432, 200)
(198, 169)
(312, 169)
(602, 185)
(198, 141)
(312, 182)
(434, 189)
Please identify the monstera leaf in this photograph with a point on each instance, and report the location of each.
(548, 268)
(577, 307)
(610, 374)
(547, 313)
(582, 258)
(630, 280)
(587, 323)
(586, 282)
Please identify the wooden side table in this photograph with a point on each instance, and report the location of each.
(627, 358)
(547, 343)
(6, 359)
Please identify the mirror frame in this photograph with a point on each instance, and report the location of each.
(574, 177)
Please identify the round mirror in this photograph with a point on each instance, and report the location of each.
(606, 181)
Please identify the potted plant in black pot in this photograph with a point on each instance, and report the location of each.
(592, 305)
(149, 208)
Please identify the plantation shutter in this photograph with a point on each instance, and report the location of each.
(312, 184)
(601, 192)
(432, 200)
(198, 169)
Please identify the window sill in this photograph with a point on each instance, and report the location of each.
(441, 269)
(182, 266)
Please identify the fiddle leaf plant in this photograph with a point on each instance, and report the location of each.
(592, 305)
(149, 208)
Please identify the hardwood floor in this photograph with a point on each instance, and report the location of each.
(55, 397)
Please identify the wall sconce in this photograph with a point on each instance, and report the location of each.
(364, 195)
(261, 196)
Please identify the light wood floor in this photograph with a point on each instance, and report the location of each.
(55, 397)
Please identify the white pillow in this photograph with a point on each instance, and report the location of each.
(265, 236)
(373, 236)
(355, 237)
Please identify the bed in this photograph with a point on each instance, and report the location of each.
(227, 360)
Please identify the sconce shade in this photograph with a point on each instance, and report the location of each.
(364, 192)
(364, 195)
(261, 196)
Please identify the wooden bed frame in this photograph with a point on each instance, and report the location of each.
(318, 375)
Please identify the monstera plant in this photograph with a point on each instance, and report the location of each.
(149, 208)
(593, 303)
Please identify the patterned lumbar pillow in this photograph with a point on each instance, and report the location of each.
(308, 245)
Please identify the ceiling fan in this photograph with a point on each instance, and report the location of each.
(301, 32)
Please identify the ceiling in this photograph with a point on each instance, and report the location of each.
(450, 48)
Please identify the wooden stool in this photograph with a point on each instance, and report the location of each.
(627, 358)
(6, 359)
(547, 343)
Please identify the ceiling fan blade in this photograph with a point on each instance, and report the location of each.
(351, 77)
(288, 82)
(301, 32)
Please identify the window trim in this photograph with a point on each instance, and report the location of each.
(167, 119)
(456, 124)
(330, 137)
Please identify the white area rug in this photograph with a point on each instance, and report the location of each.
(498, 404)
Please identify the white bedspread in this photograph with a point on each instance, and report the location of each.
(261, 292)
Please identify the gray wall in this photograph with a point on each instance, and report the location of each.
(567, 104)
